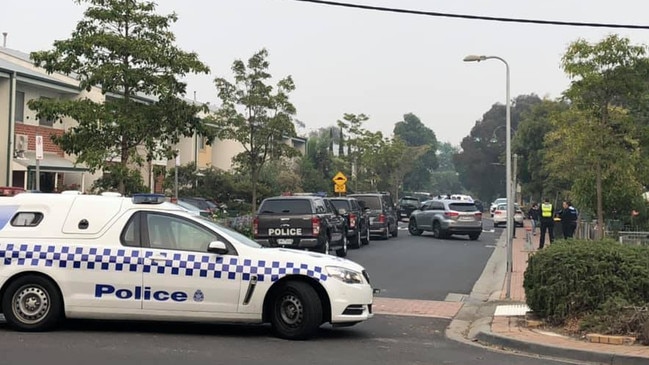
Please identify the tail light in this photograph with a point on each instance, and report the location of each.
(255, 226)
(352, 220)
(381, 218)
(451, 214)
(498, 212)
(478, 215)
(315, 226)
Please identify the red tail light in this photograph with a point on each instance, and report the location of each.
(381, 218)
(255, 227)
(478, 215)
(315, 226)
(352, 220)
(498, 212)
(451, 214)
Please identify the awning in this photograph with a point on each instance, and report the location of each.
(49, 163)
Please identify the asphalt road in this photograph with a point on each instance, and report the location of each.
(405, 267)
(425, 267)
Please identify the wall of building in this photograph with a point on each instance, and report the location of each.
(4, 128)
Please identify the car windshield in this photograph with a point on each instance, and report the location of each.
(340, 204)
(372, 202)
(463, 207)
(188, 206)
(286, 206)
(410, 201)
(231, 233)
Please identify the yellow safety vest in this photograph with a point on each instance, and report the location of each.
(546, 210)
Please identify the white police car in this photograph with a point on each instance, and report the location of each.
(101, 257)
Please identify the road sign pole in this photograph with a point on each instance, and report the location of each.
(39, 157)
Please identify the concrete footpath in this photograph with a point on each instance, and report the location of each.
(488, 318)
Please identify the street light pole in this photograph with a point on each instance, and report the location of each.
(508, 177)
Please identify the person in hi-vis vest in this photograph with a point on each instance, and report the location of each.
(547, 222)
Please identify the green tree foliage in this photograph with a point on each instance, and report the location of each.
(126, 49)
(255, 115)
(445, 179)
(130, 178)
(583, 150)
(603, 75)
(414, 133)
(528, 143)
(481, 162)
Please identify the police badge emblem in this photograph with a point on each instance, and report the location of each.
(198, 296)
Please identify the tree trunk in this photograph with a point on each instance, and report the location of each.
(600, 206)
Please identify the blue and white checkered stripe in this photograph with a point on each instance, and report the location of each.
(132, 260)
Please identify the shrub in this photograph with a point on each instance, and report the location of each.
(574, 278)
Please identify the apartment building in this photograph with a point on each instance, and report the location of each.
(21, 81)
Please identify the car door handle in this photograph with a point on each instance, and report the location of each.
(156, 258)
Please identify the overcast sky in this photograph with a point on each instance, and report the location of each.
(360, 61)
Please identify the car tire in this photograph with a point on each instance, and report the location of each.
(356, 240)
(297, 311)
(412, 228)
(474, 236)
(366, 240)
(342, 252)
(437, 230)
(32, 303)
(326, 246)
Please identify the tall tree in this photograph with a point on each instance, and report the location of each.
(528, 143)
(126, 49)
(255, 115)
(445, 179)
(602, 75)
(414, 133)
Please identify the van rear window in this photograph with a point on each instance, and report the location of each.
(286, 206)
(463, 207)
(27, 219)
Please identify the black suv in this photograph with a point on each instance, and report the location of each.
(407, 205)
(358, 221)
(382, 213)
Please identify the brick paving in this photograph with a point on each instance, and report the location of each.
(418, 308)
(514, 327)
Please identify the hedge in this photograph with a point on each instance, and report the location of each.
(577, 279)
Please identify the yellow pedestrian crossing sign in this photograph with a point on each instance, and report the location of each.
(340, 188)
(340, 179)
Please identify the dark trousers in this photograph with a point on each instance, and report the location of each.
(549, 227)
(568, 229)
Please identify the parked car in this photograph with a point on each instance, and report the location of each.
(382, 214)
(495, 205)
(500, 215)
(407, 205)
(358, 221)
(192, 209)
(142, 258)
(446, 217)
(205, 205)
(303, 222)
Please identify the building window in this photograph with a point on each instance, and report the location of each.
(44, 121)
(19, 115)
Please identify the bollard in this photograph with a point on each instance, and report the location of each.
(528, 239)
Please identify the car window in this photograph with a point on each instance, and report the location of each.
(437, 206)
(410, 201)
(174, 233)
(286, 206)
(463, 207)
(372, 202)
(502, 207)
(340, 204)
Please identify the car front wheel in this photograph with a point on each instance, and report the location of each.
(412, 228)
(297, 311)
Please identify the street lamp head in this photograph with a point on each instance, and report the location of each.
(474, 58)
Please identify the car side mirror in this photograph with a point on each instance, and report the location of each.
(218, 247)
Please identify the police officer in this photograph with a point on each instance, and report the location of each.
(547, 222)
(568, 217)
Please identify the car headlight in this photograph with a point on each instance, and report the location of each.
(345, 275)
